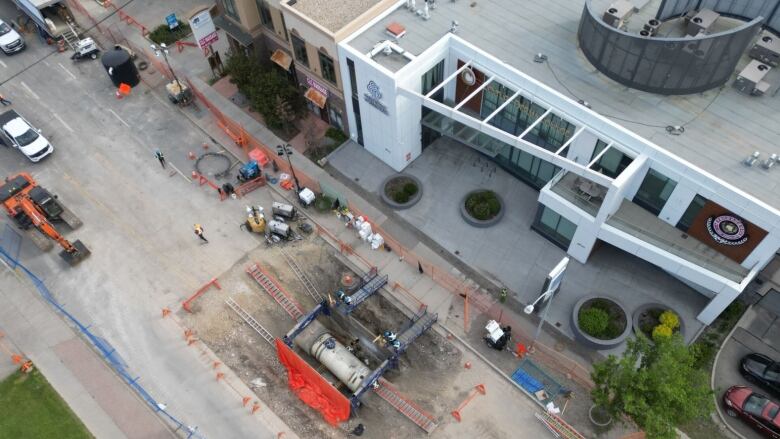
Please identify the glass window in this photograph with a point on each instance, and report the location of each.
(335, 118)
(554, 227)
(299, 48)
(600, 145)
(654, 191)
(230, 9)
(691, 212)
(284, 27)
(755, 404)
(328, 70)
(265, 14)
(612, 163)
(433, 77)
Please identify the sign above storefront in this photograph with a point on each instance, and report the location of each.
(374, 97)
(317, 86)
(727, 230)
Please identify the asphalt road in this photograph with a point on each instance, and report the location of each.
(137, 222)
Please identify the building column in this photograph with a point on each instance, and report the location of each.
(582, 147)
(716, 306)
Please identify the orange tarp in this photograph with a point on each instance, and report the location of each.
(312, 388)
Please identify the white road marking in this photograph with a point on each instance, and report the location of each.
(57, 116)
(180, 173)
(3, 64)
(46, 62)
(67, 71)
(29, 90)
(117, 116)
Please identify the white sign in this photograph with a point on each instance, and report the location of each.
(203, 29)
(556, 275)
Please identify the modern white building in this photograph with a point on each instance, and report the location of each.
(460, 73)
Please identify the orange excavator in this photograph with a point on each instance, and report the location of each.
(34, 210)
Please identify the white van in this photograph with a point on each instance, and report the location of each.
(10, 40)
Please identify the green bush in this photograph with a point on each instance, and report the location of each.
(400, 197)
(162, 34)
(662, 332)
(410, 189)
(594, 321)
(670, 319)
(483, 205)
(336, 135)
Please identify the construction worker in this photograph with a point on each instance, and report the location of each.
(160, 156)
(502, 295)
(199, 233)
(4, 101)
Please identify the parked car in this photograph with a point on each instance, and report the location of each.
(15, 131)
(10, 40)
(755, 409)
(762, 370)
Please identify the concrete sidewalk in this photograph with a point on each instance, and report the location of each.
(103, 402)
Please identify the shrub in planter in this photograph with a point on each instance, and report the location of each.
(483, 205)
(400, 197)
(410, 189)
(670, 319)
(594, 321)
(163, 34)
(662, 332)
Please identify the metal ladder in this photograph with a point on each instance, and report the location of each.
(275, 291)
(250, 321)
(71, 37)
(406, 407)
(558, 427)
(310, 288)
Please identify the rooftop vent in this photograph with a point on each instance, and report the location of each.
(395, 30)
(454, 26)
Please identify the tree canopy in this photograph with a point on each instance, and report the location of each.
(658, 385)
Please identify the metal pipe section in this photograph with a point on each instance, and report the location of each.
(339, 361)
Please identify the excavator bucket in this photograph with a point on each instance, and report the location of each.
(81, 253)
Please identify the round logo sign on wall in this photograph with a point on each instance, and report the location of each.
(727, 229)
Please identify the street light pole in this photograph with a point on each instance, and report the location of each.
(530, 308)
(163, 50)
(286, 150)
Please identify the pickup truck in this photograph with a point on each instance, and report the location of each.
(17, 132)
(10, 40)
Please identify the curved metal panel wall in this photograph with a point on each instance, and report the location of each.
(668, 66)
(767, 10)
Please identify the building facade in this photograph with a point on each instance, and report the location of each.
(302, 41)
(597, 181)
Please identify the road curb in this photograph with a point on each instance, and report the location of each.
(712, 375)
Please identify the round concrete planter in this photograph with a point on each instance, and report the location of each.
(646, 307)
(598, 417)
(593, 342)
(477, 222)
(412, 200)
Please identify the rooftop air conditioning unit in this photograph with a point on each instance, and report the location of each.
(652, 26)
(767, 50)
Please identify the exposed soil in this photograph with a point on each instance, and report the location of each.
(426, 371)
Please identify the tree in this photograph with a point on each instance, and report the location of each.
(242, 69)
(658, 385)
(278, 101)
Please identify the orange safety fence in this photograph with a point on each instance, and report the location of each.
(459, 286)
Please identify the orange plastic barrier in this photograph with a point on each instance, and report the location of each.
(312, 388)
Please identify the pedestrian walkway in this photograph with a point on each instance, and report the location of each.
(105, 404)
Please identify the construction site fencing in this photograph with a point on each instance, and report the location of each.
(459, 285)
(105, 349)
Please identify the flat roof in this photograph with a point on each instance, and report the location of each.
(722, 126)
(332, 14)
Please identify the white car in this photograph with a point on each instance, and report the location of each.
(10, 40)
(20, 134)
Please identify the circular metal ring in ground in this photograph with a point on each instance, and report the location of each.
(143, 65)
(412, 200)
(593, 342)
(213, 164)
(477, 222)
(646, 307)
